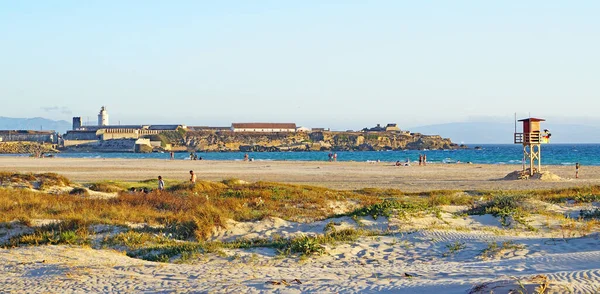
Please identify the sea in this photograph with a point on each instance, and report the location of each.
(552, 154)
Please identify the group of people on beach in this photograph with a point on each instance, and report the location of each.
(422, 161)
(194, 156)
(406, 163)
(332, 156)
(247, 158)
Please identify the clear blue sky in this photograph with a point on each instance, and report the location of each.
(340, 64)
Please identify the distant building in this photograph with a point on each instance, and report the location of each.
(320, 129)
(208, 129)
(103, 117)
(392, 128)
(28, 136)
(86, 134)
(77, 123)
(377, 128)
(303, 130)
(80, 135)
(263, 127)
(165, 127)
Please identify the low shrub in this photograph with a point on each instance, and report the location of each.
(388, 207)
(590, 213)
(494, 250)
(306, 245)
(105, 187)
(79, 192)
(71, 232)
(506, 207)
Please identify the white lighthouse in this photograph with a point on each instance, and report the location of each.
(103, 117)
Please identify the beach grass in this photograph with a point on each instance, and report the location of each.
(176, 223)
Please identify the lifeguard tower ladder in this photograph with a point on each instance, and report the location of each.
(531, 138)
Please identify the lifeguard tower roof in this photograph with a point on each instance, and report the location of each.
(532, 119)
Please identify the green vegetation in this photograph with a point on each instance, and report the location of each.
(507, 207)
(494, 250)
(105, 187)
(372, 137)
(453, 248)
(154, 247)
(67, 232)
(119, 186)
(184, 210)
(402, 208)
(172, 137)
(175, 224)
(577, 195)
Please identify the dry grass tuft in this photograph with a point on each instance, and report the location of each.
(30, 180)
(105, 187)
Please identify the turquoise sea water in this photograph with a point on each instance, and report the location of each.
(552, 154)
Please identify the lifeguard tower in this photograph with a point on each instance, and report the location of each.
(532, 139)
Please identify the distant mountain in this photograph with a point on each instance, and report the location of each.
(502, 133)
(36, 123)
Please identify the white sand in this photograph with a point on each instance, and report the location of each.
(372, 264)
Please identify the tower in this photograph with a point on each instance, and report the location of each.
(103, 117)
(532, 138)
(76, 123)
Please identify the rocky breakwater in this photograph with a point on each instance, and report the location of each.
(314, 141)
(26, 148)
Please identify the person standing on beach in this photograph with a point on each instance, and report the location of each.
(192, 177)
(424, 159)
(172, 155)
(420, 159)
(577, 170)
(334, 156)
(161, 184)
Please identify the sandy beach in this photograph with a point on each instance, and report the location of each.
(424, 253)
(336, 175)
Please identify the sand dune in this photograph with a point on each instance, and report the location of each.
(423, 253)
(408, 262)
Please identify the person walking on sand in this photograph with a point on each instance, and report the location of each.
(192, 177)
(577, 170)
(334, 156)
(172, 155)
(161, 184)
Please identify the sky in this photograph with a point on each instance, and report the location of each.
(318, 63)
